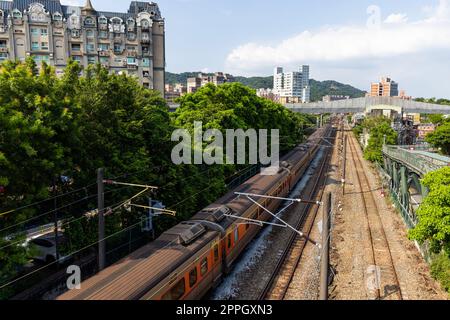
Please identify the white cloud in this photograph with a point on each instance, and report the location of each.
(72, 2)
(357, 47)
(397, 18)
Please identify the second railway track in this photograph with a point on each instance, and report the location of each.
(386, 284)
(282, 276)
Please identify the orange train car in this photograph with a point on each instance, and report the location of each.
(185, 262)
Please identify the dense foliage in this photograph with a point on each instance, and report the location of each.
(440, 138)
(434, 212)
(434, 223)
(440, 270)
(55, 132)
(318, 88)
(380, 131)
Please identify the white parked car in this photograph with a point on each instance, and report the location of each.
(46, 248)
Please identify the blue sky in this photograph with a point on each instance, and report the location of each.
(410, 41)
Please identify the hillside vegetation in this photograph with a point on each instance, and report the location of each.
(318, 88)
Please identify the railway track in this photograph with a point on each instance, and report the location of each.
(281, 278)
(382, 279)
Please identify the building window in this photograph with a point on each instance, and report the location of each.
(35, 46)
(17, 14)
(3, 56)
(89, 33)
(103, 46)
(229, 241)
(103, 34)
(34, 31)
(131, 36)
(104, 60)
(89, 21)
(44, 32)
(77, 58)
(131, 60)
(91, 60)
(146, 62)
(44, 45)
(117, 48)
(236, 235)
(74, 20)
(76, 47)
(75, 33)
(90, 47)
(145, 24)
(40, 58)
(102, 20)
(57, 16)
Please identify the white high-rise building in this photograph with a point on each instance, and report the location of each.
(292, 86)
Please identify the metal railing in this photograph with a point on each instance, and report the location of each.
(418, 162)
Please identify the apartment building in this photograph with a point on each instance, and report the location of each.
(131, 42)
(202, 79)
(386, 88)
(292, 87)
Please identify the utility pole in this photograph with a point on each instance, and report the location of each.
(55, 217)
(324, 267)
(101, 219)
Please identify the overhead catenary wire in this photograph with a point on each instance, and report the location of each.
(82, 249)
(45, 200)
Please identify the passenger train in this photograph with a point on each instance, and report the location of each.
(185, 262)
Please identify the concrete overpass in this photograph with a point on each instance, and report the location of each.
(369, 104)
(365, 105)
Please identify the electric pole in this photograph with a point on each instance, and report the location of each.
(101, 219)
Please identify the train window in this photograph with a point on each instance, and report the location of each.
(229, 241)
(204, 267)
(193, 277)
(176, 292)
(236, 235)
(216, 253)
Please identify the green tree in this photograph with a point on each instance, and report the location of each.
(380, 131)
(434, 212)
(441, 138)
(436, 118)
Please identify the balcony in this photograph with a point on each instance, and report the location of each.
(132, 53)
(145, 40)
(103, 53)
(132, 66)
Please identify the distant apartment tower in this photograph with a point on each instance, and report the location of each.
(386, 88)
(202, 79)
(124, 42)
(292, 87)
(268, 94)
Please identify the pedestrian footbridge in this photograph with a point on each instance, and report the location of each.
(404, 166)
(369, 104)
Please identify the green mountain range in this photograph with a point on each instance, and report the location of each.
(318, 88)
